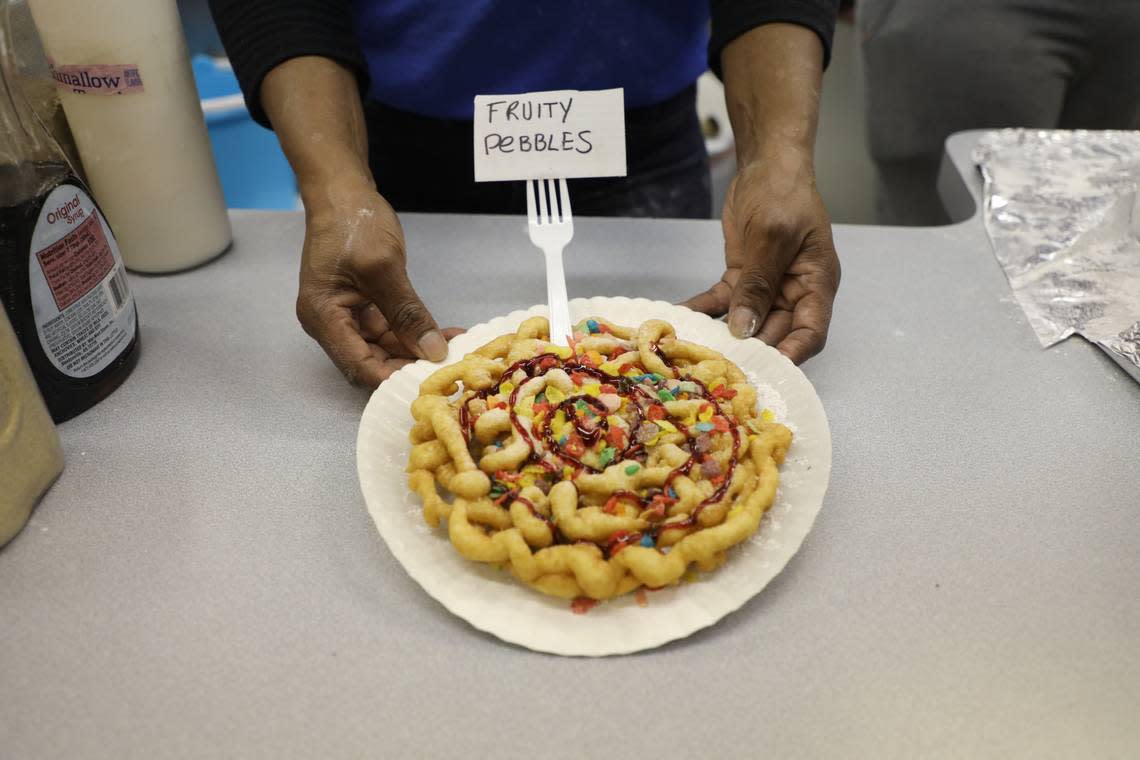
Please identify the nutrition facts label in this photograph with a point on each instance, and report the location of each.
(79, 291)
(76, 263)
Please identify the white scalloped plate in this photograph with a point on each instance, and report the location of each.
(492, 601)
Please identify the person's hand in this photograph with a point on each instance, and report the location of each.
(355, 298)
(781, 269)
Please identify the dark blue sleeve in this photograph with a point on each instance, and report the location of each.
(732, 18)
(260, 34)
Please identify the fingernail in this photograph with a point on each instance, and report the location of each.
(433, 346)
(743, 322)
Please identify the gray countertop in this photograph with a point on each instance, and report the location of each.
(204, 580)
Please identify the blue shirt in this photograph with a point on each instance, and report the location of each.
(433, 57)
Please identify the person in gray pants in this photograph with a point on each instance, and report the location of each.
(935, 67)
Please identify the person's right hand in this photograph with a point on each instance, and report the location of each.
(355, 298)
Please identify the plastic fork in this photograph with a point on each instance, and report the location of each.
(551, 225)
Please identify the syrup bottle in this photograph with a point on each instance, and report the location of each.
(62, 280)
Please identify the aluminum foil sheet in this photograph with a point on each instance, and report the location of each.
(1063, 213)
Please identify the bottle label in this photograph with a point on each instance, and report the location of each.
(98, 79)
(84, 311)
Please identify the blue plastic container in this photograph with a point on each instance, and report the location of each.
(252, 168)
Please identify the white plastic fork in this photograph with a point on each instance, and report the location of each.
(551, 225)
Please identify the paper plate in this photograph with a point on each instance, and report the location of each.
(493, 601)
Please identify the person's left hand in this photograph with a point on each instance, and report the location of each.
(781, 269)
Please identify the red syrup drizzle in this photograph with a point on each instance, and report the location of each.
(513, 496)
(533, 510)
(720, 492)
(621, 539)
(625, 386)
(465, 421)
(590, 436)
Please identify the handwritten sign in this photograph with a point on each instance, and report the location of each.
(545, 135)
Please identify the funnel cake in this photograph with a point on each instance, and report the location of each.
(598, 468)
